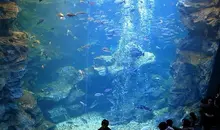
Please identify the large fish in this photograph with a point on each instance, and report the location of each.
(142, 107)
(136, 53)
(40, 21)
(119, 1)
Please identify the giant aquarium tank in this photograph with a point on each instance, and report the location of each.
(69, 64)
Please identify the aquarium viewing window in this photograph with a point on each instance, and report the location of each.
(70, 64)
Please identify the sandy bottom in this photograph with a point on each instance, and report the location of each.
(91, 121)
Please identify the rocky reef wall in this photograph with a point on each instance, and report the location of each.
(18, 110)
(196, 52)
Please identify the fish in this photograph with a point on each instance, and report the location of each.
(142, 107)
(105, 49)
(68, 32)
(84, 47)
(81, 72)
(91, 3)
(98, 94)
(70, 14)
(132, 10)
(107, 90)
(84, 104)
(94, 104)
(84, 120)
(157, 47)
(60, 15)
(111, 101)
(40, 0)
(77, 13)
(119, 1)
(136, 53)
(40, 21)
(69, 122)
(62, 18)
(90, 18)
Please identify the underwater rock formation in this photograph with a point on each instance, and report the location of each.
(13, 63)
(13, 54)
(30, 113)
(192, 68)
(9, 11)
(61, 88)
(18, 110)
(108, 64)
(62, 94)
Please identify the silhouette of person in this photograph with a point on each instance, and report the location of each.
(104, 124)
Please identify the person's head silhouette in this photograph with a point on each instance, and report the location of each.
(105, 123)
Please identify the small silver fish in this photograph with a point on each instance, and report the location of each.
(107, 90)
(94, 104)
(84, 104)
(99, 94)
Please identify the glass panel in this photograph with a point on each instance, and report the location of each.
(69, 64)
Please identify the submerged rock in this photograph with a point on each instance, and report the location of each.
(27, 101)
(74, 95)
(104, 60)
(75, 110)
(58, 114)
(55, 91)
(60, 89)
(102, 70)
(114, 68)
(198, 15)
(146, 59)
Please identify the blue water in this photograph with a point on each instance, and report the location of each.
(103, 27)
